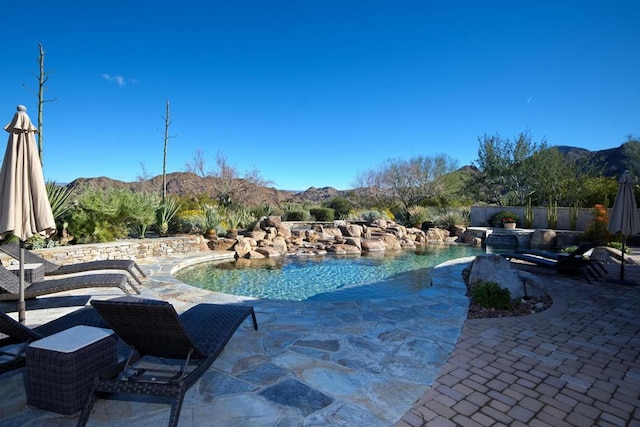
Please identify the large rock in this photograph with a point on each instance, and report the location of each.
(242, 247)
(272, 221)
(343, 249)
(390, 241)
(609, 255)
(280, 245)
(354, 241)
(495, 268)
(372, 245)
(543, 238)
(268, 252)
(437, 235)
(351, 230)
(283, 231)
(221, 244)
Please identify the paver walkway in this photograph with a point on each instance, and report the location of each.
(576, 364)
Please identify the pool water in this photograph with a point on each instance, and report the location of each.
(326, 277)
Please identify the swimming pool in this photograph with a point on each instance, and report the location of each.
(326, 277)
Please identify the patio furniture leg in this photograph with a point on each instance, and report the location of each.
(88, 406)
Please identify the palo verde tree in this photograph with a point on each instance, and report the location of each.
(406, 183)
(42, 77)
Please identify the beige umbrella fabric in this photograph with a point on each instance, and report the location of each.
(24, 204)
(624, 217)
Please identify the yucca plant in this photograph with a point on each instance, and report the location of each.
(59, 199)
(165, 213)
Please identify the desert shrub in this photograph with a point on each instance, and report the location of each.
(340, 205)
(191, 221)
(237, 218)
(491, 295)
(453, 216)
(503, 216)
(618, 246)
(297, 215)
(371, 215)
(322, 214)
(214, 219)
(418, 215)
(107, 215)
(262, 210)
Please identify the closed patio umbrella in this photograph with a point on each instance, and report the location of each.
(624, 218)
(24, 204)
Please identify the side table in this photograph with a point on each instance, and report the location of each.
(33, 273)
(62, 367)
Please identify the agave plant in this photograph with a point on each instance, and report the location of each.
(214, 219)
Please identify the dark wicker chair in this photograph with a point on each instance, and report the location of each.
(186, 344)
(10, 284)
(18, 336)
(52, 269)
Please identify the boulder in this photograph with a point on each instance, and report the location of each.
(495, 268)
(242, 247)
(272, 221)
(280, 245)
(254, 255)
(609, 255)
(372, 245)
(333, 232)
(221, 244)
(380, 223)
(543, 238)
(457, 230)
(353, 241)
(390, 241)
(343, 249)
(351, 230)
(258, 234)
(283, 231)
(437, 235)
(268, 252)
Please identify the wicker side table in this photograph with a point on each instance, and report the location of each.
(32, 272)
(62, 367)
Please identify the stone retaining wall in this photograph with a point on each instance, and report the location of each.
(122, 249)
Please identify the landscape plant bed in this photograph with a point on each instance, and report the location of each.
(519, 307)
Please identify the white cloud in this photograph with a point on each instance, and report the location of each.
(120, 80)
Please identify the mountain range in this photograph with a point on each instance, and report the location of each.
(609, 162)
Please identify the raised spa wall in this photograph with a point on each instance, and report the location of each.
(121, 249)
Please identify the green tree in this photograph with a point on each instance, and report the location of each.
(504, 173)
(340, 205)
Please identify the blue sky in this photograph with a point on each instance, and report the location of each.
(311, 93)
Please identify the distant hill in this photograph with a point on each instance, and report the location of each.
(610, 162)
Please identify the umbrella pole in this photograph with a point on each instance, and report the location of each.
(622, 261)
(21, 304)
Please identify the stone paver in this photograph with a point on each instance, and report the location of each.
(343, 363)
(575, 364)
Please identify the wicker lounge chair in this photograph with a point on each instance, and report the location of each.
(52, 269)
(18, 336)
(10, 284)
(573, 263)
(187, 344)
